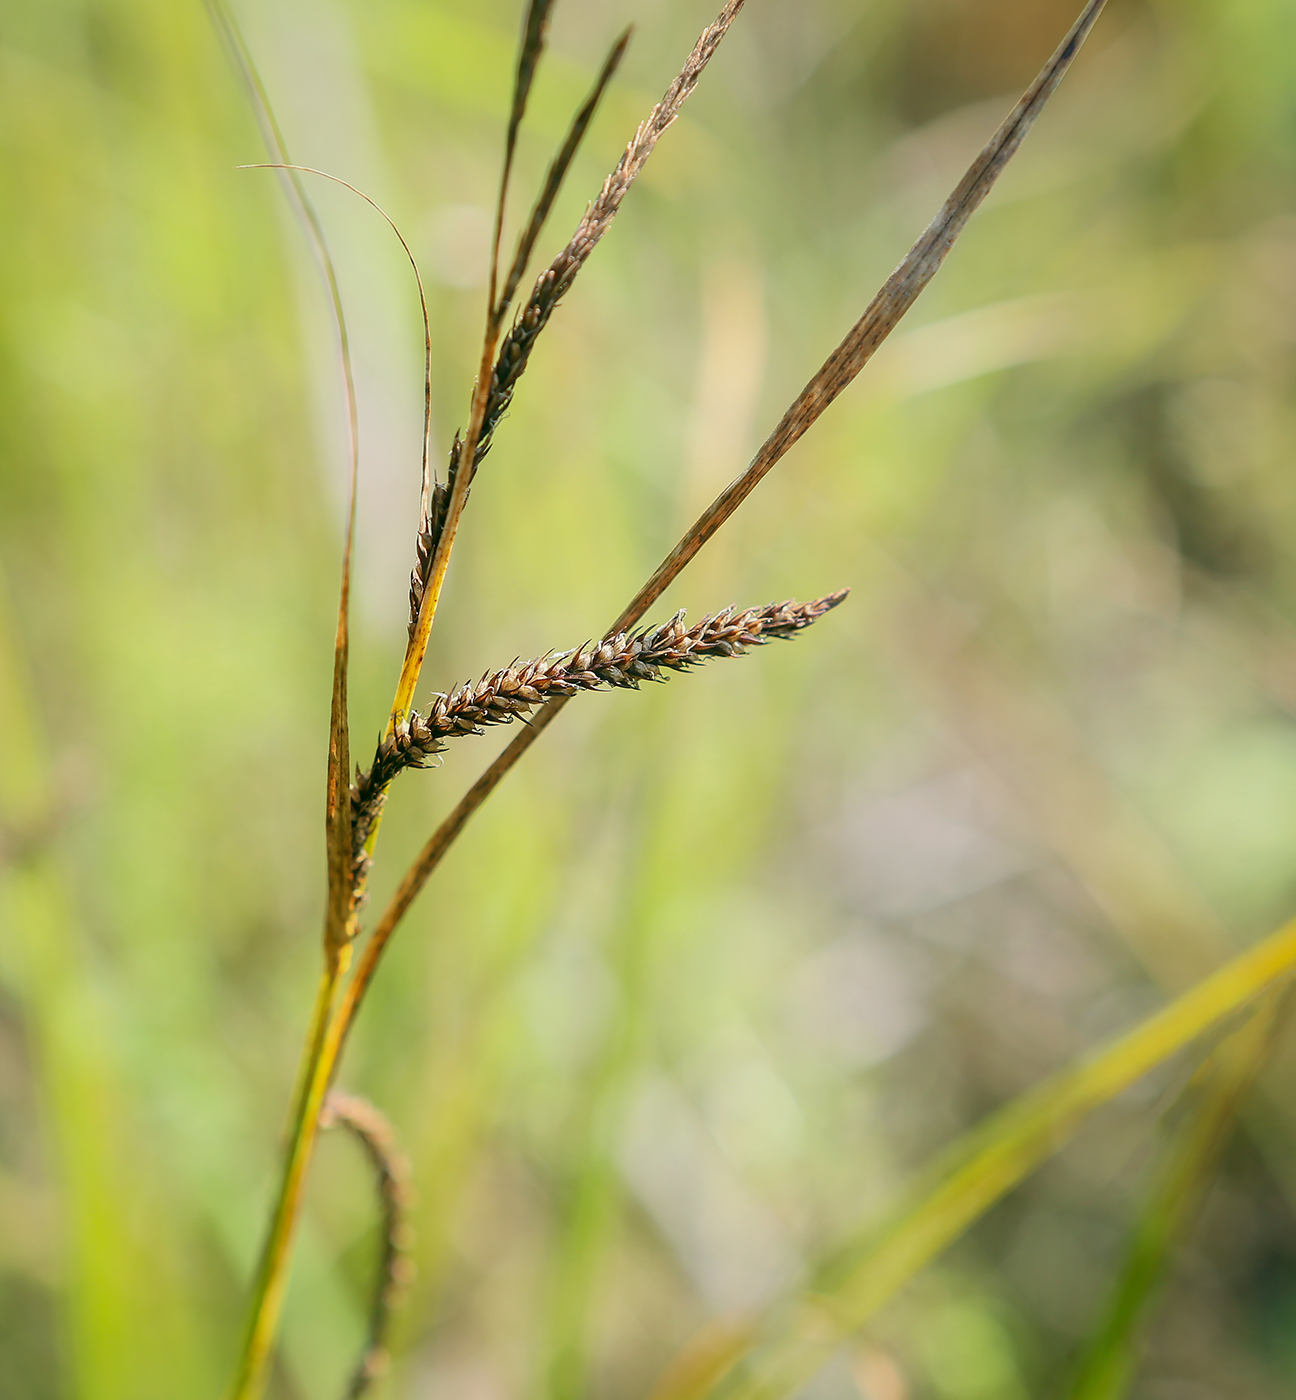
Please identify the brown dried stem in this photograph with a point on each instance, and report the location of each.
(897, 295)
(376, 1136)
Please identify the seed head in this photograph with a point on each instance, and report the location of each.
(622, 660)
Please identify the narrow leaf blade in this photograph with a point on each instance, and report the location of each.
(558, 170)
(337, 803)
(534, 34)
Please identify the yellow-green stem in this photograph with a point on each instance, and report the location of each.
(272, 1274)
(327, 1032)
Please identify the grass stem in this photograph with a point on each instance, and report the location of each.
(303, 1130)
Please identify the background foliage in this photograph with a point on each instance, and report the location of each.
(724, 963)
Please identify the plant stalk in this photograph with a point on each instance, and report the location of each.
(303, 1128)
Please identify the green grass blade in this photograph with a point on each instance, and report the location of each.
(780, 1351)
(1109, 1361)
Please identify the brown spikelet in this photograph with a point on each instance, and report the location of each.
(622, 660)
(554, 283)
(430, 522)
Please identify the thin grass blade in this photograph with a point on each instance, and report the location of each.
(338, 778)
(270, 1281)
(558, 170)
(427, 509)
(534, 34)
(782, 1350)
(432, 492)
(883, 313)
(1111, 1358)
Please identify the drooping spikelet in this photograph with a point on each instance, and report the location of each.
(623, 660)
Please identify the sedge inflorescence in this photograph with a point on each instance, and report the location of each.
(622, 660)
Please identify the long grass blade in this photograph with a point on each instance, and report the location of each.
(882, 315)
(1175, 1201)
(781, 1350)
(338, 780)
(344, 876)
(271, 1278)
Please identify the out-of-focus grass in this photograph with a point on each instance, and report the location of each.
(1183, 1178)
(725, 961)
(777, 1355)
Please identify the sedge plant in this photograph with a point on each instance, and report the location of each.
(771, 1354)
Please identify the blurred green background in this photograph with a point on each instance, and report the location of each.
(723, 963)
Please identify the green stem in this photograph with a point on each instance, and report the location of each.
(319, 1055)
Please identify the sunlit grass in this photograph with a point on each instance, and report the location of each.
(1031, 785)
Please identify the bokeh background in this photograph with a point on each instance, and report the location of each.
(723, 964)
